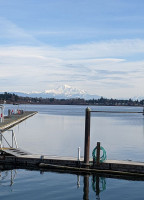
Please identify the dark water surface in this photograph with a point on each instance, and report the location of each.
(59, 130)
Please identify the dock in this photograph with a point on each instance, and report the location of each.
(23, 159)
(12, 120)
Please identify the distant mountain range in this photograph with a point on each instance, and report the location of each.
(138, 98)
(63, 92)
(66, 92)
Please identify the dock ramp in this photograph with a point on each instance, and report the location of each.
(17, 152)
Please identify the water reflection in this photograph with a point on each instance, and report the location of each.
(86, 188)
(98, 185)
(7, 177)
(63, 186)
(78, 181)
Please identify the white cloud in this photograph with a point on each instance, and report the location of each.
(100, 68)
(108, 48)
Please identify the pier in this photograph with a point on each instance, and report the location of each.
(12, 120)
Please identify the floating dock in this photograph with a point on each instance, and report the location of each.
(12, 120)
(20, 158)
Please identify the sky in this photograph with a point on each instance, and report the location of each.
(91, 45)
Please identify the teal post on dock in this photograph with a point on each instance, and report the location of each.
(87, 136)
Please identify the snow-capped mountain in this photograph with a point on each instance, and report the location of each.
(63, 92)
(67, 91)
(138, 98)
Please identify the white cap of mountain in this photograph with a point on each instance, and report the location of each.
(62, 92)
(66, 90)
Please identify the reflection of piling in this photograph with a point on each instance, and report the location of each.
(87, 137)
(86, 188)
(78, 181)
(97, 186)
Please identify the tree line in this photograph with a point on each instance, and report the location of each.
(15, 99)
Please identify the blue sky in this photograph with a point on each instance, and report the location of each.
(93, 45)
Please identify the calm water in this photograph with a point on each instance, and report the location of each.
(59, 130)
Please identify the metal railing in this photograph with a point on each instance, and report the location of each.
(13, 142)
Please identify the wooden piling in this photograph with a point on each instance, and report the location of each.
(87, 137)
(98, 153)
